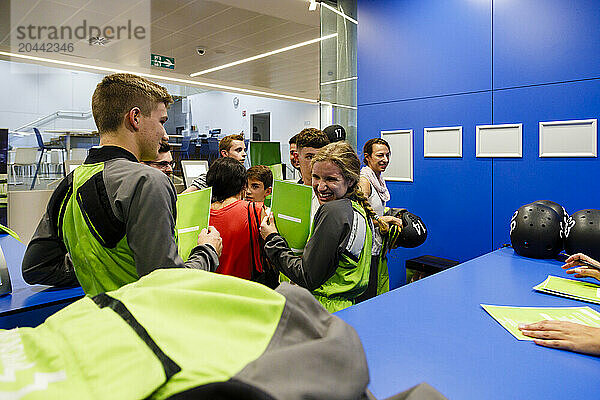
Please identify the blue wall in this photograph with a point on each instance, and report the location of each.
(427, 63)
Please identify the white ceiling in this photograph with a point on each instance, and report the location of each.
(229, 30)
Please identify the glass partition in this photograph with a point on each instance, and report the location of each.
(338, 79)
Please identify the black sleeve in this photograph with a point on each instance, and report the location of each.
(46, 260)
(320, 259)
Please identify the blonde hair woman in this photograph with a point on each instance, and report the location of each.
(336, 262)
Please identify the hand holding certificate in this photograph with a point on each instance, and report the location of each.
(291, 206)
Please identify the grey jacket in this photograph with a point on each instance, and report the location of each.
(143, 199)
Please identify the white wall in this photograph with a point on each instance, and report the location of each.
(212, 110)
(34, 91)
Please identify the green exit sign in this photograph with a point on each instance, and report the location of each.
(162, 61)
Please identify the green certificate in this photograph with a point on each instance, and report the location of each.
(193, 211)
(511, 317)
(277, 170)
(291, 209)
(571, 288)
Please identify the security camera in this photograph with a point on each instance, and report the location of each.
(201, 51)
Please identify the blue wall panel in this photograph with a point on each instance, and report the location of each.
(414, 49)
(409, 49)
(572, 182)
(449, 194)
(542, 41)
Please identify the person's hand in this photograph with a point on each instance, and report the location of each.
(564, 335)
(211, 236)
(267, 226)
(392, 221)
(573, 265)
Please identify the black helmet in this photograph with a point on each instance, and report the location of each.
(560, 210)
(582, 233)
(535, 231)
(413, 231)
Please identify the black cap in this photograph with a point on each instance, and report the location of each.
(335, 133)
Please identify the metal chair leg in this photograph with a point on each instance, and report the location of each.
(37, 169)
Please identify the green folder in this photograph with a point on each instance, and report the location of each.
(193, 212)
(265, 153)
(511, 317)
(571, 288)
(291, 209)
(277, 170)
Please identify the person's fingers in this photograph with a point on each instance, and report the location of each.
(546, 324)
(543, 334)
(573, 271)
(584, 272)
(570, 264)
(576, 257)
(264, 220)
(555, 344)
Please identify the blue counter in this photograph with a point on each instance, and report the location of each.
(28, 305)
(435, 331)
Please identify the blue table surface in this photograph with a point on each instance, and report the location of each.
(24, 296)
(435, 331)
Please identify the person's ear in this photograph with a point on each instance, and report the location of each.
(132, 118)
(224, 153)
(268, 191)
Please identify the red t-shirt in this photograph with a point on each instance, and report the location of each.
(232, 223)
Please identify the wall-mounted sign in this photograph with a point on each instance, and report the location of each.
(156, 60)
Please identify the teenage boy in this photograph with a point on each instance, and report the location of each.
(231, 146)
(308, 142)
(112, 220)
(260, 183)
(164, 162)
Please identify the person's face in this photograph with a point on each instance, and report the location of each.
(379, 158)
(294, 156)
(256, 191)
(328, 182)
(151, 132)
(237, 151)
(163, 162)
(305, 156)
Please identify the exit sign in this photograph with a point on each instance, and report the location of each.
(162, 61)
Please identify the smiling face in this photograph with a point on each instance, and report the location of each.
(237, 151)
(379, 158)
(152, 132)
(328, 182)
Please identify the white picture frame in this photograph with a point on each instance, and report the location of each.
(503, 140)
(400, 168)
(442, 141)
(574, 138)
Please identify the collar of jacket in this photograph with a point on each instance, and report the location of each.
(105, 153)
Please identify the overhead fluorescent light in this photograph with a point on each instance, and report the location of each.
(335, 10)
(337, 105)
(97, 68)
(312, 6)
(270, 53)
(339, 80)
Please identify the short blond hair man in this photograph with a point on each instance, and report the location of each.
(231, 146)
(111, 220)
